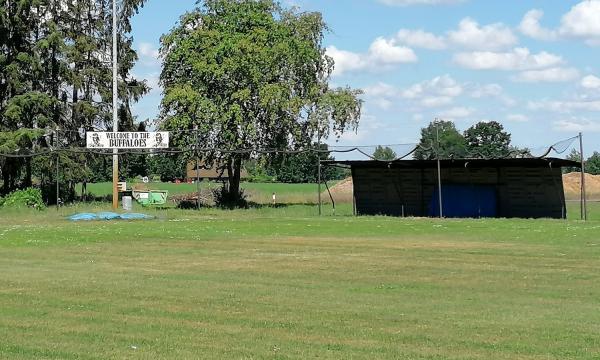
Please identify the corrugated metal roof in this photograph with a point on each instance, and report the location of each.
(455, 163)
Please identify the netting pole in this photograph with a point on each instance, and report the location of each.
(57, 170)
(197, 171)
(583, 194)
(439, 170)
(319, 167)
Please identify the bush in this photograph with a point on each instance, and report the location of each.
(30, 197)
(226, 199)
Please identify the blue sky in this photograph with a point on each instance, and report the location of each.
(531, 65)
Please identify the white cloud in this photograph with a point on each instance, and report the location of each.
(382, 55)
(488, 90)
(457, 113)
(583, 20)
(491, 91)
(575, 124)
(590, 82)
(439, 91)
(556, 74)
(440, 86)
(149, 54)
(382, 95)
(517, 59)
(517, 118)
(435, 101)
(421, 39)
(385, 52)
(346, 61)
(489, 37)
(530, 26)
(565, 106)
(369, 126)
(418, 2)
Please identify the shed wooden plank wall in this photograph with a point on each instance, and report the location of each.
(521, 192)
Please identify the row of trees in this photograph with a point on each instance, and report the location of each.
(592, 163)
(482, 140)
(55, 73)
(441, 138)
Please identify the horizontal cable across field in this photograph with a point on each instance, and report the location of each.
(559, 148)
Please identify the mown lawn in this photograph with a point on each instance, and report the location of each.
(281, 283)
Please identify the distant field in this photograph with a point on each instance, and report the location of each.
(282, 283)
(257, 192)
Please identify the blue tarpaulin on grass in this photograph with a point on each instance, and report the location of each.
(109, 216)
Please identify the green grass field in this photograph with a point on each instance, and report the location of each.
(282, 283)
(256, 192)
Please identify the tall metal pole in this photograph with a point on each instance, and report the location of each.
(197, 168)
(583, 194)
(57, 171)
(439, 170)
(115, 202)
(319, 167)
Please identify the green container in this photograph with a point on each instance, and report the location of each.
(151, 197)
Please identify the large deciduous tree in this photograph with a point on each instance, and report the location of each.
(384, 153)
(441, 138)
(250, 74)
(488, 140)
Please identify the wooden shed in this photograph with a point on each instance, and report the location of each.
(504, 188)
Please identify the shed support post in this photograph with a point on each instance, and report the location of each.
(439, 170)
(583, 194)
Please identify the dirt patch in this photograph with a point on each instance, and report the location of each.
(572, 185)
(342, 191)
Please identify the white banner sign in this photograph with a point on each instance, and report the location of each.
(127, 140)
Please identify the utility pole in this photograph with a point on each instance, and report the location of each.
(583, 194)
(439, 168)
(114, 107)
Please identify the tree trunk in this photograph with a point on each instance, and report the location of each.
(235, 171)
(27, 183)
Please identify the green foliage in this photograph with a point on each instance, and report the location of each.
(226, 198)
(257, 171)
(53, 75)
(302, 167)
(592, 164)
(168, 167)
(487, 140)
(29, 197)
(13, 141)
(384, 153)
(574, 155)
(251, 74)
(451, 143)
